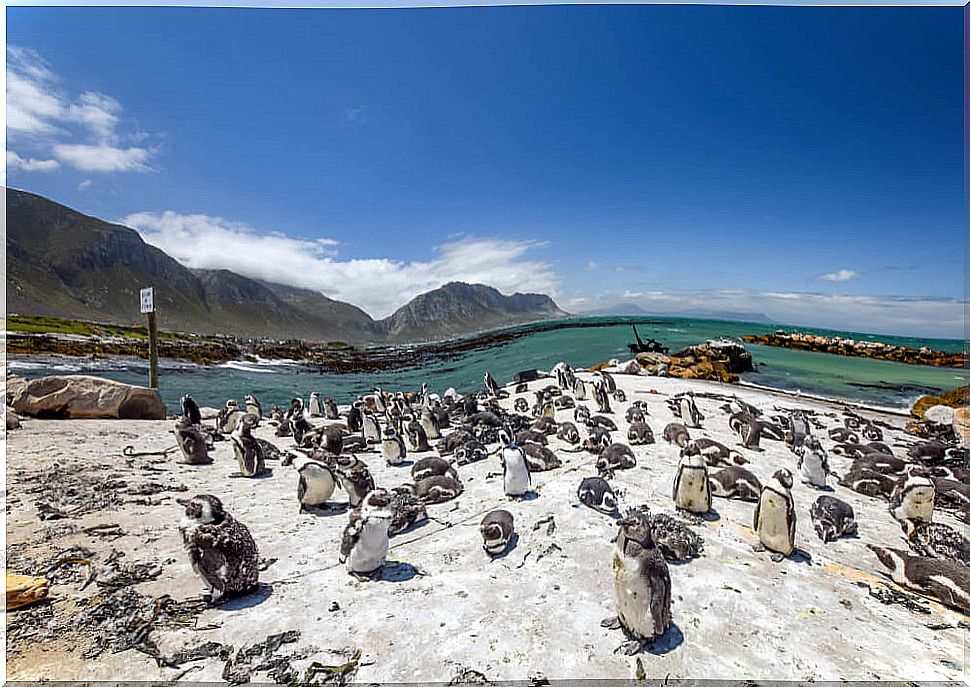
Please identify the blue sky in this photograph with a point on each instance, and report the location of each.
(805, 162)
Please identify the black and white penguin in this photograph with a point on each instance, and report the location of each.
(581, 415)
(615, 457)
(691, 489)
(192, 442)
(363, 547)
(538, 457)
(520, 405)
(355, 417)
(430, 424)
(868, 482)
(190, 410)
(601, 396)
(497, 528)
(253, 407)
(871, 433)
(565, 402)
(579, 389)
(438, 488)
(609, 384)
(417, 439)
(913, 497)
(639, 433)
(313, 405)
(221, 549)
(676, 541)
(392, 447)
(936, 540)
(526, 435)
(491, 385)
(471, 451)
(685, 408)
(568, 432)
(601, 421)
(939, 578)
(249, 452)
(597, 493)
(354, 478)
(516, 479)
(332, 439)
(734, 482)
(676, 433)
(833, 518)
(330, 409)
(749, 432)
(546, 425)
(774, 516)
(635, 414)
(813, 462)
(316, 481)
(843, 435)
(370, 428)
(229, 417)
(799, 430)
(881, 462)
(641, 580)
(427, 467)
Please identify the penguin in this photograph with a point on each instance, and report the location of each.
(843, 435)
(546, 425)
(228, 417)
(936, 540)
(364, 545)
(871, 433)
(453, 441)
(330, 409)
(619, 396)
(568, 432)
(192, 442)
(639, 434)
(749, 431)
(316, 482)
(674, 539)
(221, 549)
(799, 431)
(600, 421)
(520, 405)
(734, 482)
(676, 433)
(430, 424)
(774, 516)
(913, 498)
(692, 490)
(641, 580)
(354, 478)
(370, 428)
(253, 407)
(615, 457)
(597, 493)
(417, 439)
(393, 448)
(813, 463)
(438, 488)
(581, 415)
(565, 402)
(579, 389)
(714, 452)
(248, 451)
(427, 467)
(355, 417)
(833, 518)
(491, 385)
(635, 414)
(609, 384)
(313, 406)
(408, 511)
(332, 440)
(880, 462)
(471, 451)
(526, 435)
(939, 578)
(868, 482)
(601, 397)
(686, 409)
(497, 528)
(538, 457)
(515, 466)
(190, 410)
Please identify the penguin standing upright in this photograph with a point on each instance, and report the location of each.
(913, 498)
(515, 466)
(601, 396)
(392, 447)
(190, 410)
(692, 488)
(641, 580)
(313, 406)
(371, 430)
(192, 442)
(355, 416)
(249, 452)
(330, 409)
(253, 407)
(774, 516)
(492, 385)
(430, 424)
(813, 463)
(221, 549)
(417, 438)
(229, 416)
(364, 544)
(316, 481)
(579, 389)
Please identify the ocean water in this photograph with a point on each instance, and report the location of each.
(275, 382)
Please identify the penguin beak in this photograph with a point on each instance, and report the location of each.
(183, 502)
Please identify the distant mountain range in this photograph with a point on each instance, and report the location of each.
(62, 263)
(634, 309)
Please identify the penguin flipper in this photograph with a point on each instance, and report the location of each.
(757, 515)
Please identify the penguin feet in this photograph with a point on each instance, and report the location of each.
(630, 648)
(611, 623)
(777, 557)
(758, 548)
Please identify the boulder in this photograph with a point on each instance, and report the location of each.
(961, 425)
(939, 415)
(954, 399)
(631, 367)
(84, 397)
(653, 359)
(13, 420)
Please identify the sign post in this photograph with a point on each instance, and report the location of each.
(148, 307)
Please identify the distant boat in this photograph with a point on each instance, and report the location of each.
(652, 345)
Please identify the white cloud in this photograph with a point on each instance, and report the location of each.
(378, 285)
(14, 161)
(84, 185)
(841, 275)
(83, 132)
(907, 316)
(103, 158)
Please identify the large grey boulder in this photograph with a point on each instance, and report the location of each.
(83, 397)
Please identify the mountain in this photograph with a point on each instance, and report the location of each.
(458, 308)
(65, 264)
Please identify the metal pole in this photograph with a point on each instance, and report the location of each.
(152, 351)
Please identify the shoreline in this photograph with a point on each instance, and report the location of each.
(814, 620)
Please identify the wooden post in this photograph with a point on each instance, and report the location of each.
(147, 297)
(152, 351)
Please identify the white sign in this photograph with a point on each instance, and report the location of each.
(148, 300)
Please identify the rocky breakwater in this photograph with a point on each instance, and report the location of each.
(859, 349)
(716, 360)
(202, 351)
(82, 397)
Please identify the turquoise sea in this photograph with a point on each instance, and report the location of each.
(855, 379)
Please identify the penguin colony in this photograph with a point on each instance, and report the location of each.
(330, 457)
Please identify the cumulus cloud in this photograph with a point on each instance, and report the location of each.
(29, 164)
(908, 316)
(84, 132)
(841, 275)
(378, 285)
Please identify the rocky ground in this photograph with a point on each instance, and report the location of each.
(106, 527)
